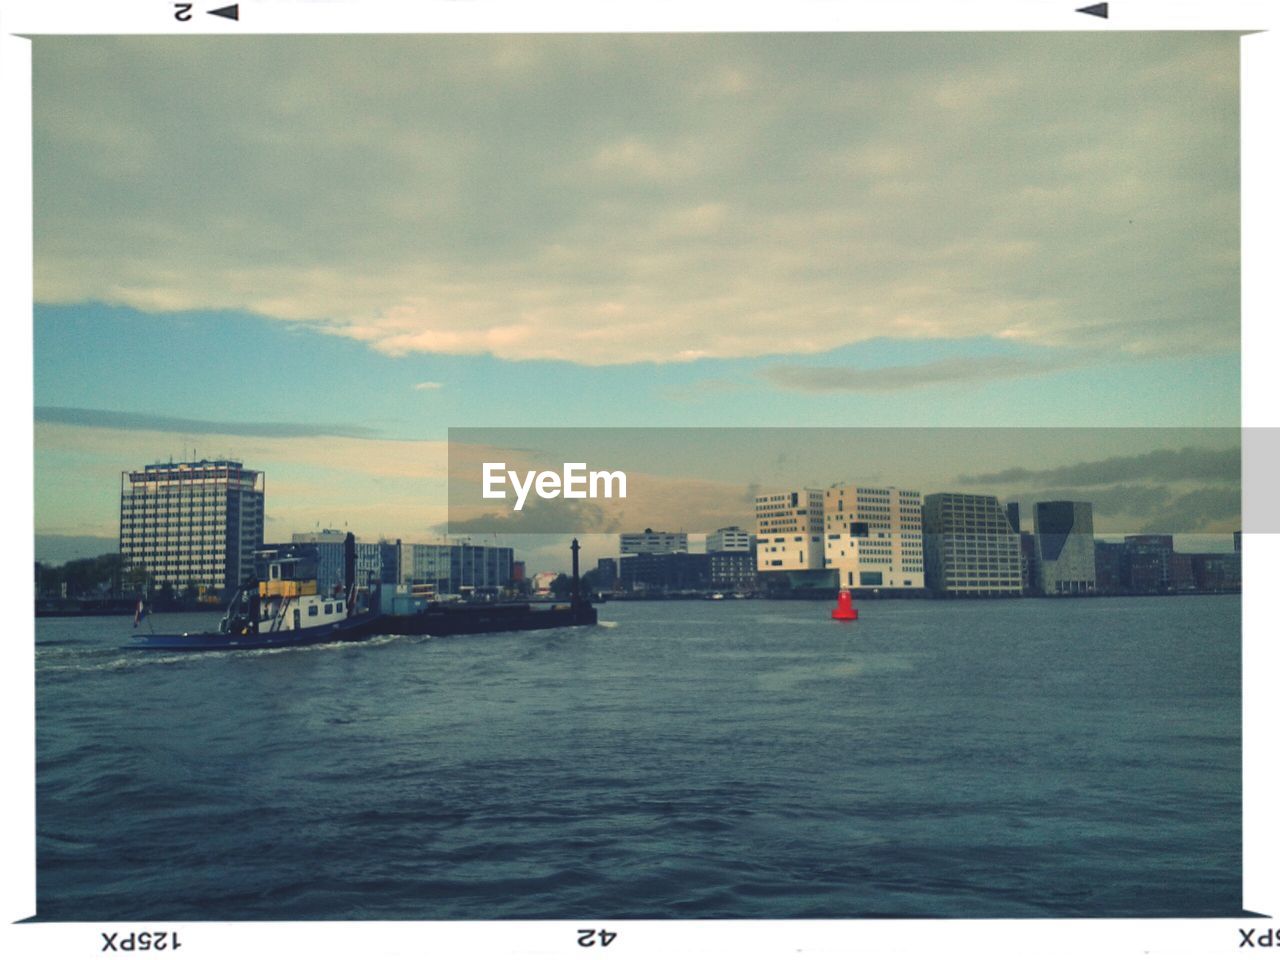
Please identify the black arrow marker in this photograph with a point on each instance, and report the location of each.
(1097, 10)
(233, 12)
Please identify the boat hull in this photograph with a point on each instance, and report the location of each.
(448, 621)
(442, 621)
(353, 628)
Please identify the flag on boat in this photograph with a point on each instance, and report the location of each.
(139, 613)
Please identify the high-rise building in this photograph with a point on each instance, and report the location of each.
(971, 548)
(789, 531)
(1064, 547)
(873, 537)
(653, 541)
(192, 523)
(729, 540)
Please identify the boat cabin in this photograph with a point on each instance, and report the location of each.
(287, 594)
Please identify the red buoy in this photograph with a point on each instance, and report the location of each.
(845, 610)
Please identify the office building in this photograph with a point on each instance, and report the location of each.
(971, 547)
(872, 538)
(1216, 572)
(789, 531)
(1108, 564)
(192, 523)
(376, 561)
(1030, 566)
(1064, 548)
(730, 540)
(455, 568)
(664, 572)
(606, 573)
(653, 541)
(330, 555)
(1146, 567)
(732, 570)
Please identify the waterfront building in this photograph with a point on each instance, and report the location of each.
(606, 573)
(517, 572)
(664, 572)
(542, 582)
(873, 538)
(1014, 512)
(789, 531)
(192, 523)
(1108, 563)
(1147, 561)
(732, 570)
(1064, 548)
(971, 547)
(330, 555)
(1216, 572)
(1030, 568)
(455, 568)
(376, 561)
(730, 540)
(653, 541)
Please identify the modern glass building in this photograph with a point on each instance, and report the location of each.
(455, 567)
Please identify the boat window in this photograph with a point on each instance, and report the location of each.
(339, 606)
(328, 608)
(311, 611)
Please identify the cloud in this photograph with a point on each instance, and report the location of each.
(851, 379)
(616, 199)
(1148, 508)
(1119, 500)
(116, 420)
(428, 385)
(1187, 463)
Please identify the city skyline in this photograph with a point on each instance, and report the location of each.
(319, 276)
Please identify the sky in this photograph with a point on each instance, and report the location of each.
(318, 254)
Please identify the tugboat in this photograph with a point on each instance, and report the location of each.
(280, 607)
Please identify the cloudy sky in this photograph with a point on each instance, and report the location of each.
(318, 254)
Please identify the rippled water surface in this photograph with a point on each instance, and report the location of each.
(684, 760)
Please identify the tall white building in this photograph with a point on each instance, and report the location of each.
(729, 540)
(653, 541)
(1064, 547)
(789, 531)
(192, 523)
(872, 537)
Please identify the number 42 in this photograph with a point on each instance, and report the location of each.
(587, 938)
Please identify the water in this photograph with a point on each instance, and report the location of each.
(694, 760)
